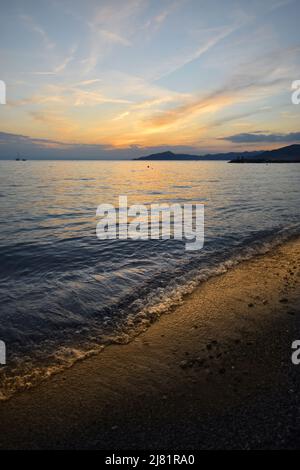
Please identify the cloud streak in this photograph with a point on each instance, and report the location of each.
(37, 148)
(142, 72)
(259, 137)
(186, 59)
(36, 28)
(252, 82)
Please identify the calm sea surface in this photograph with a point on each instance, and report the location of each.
(64, 294)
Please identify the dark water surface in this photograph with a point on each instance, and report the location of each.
(65, 294)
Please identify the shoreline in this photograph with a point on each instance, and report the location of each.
(210, 374)
(71, 353)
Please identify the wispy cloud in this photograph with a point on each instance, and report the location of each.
(91, 98)
(239, 117)
(154, 23)
(36, 28)
(6, 137)
(251, 82)
(183, 60)
(114, 38)
(281, 4)
(89, 82)
(260, 137)
(60, 67)
(224, 97)
(111, 25)
(84, 93)
(177, 72)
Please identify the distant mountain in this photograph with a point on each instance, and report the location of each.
(170, 156)
(289, 154)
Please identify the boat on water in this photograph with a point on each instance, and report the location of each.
(19, 159)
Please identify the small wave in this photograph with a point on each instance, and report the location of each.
(29, 371)
(163, 300)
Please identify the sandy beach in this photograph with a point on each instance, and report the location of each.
(214, 373)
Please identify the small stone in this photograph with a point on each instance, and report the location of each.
(201, 362)
(183, 364)
(186, 364)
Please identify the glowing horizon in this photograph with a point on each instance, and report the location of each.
(120, 78)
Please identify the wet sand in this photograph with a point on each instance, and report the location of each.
(214, 373)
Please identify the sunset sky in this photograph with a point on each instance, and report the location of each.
(122, 78)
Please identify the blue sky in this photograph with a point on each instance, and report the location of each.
(121, 78)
